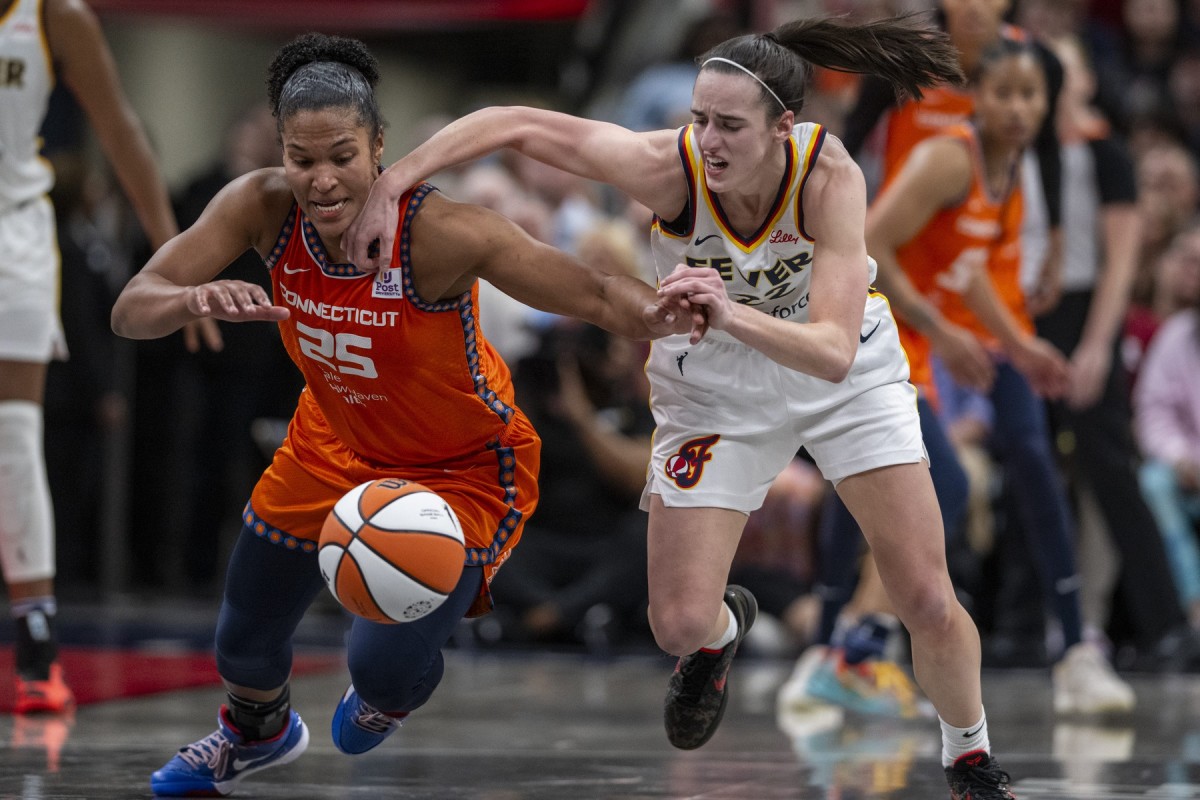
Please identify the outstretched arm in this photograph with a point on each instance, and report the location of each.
(176, 287)
(645, 166)
(455, 243)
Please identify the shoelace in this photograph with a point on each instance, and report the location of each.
(991, 777)
(374, 721)
(694, 673)
(212, 751)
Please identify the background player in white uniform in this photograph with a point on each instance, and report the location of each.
(39, 41)
(736, 399)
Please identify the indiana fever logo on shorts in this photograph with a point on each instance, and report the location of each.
(686, 466)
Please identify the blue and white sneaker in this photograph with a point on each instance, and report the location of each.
(213, 766)
(357, 727)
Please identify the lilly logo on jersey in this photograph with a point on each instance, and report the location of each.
(687, 465)
(389, 283)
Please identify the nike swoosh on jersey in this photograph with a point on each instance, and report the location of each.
(863, 339)
(287, 271)
(702, 239)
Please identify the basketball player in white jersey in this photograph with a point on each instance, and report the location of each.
(41, 41)
(760, 232)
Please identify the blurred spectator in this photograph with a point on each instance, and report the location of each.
(1167, 407)
(1154, 37)
(1168, 186)
(1176, 286)
(660, 96)
(85, 402)
(1183, 83)
(1091, 424)
(580, 576)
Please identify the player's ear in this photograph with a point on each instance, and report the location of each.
(784, 124)
(377, 149)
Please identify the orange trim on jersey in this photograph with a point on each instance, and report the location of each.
(810, 160)
(748, 245)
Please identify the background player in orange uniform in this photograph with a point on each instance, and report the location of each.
(939, 231)
(399, 382)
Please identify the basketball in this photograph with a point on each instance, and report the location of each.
(391, 550)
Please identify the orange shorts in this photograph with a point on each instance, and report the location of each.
(492, 493)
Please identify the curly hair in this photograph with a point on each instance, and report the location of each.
(316, 71)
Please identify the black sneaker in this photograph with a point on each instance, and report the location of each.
(977, 776)
(696, 693)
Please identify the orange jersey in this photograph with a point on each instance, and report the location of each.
(979, 232)
(940, 107)
(394, 386)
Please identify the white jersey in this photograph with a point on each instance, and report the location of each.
(771, 269)
(729, 418)
(26, 78)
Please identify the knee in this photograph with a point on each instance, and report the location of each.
(247, 656)
(394, 685)
(680, 628)
(927, 608)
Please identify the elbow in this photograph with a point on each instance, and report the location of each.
(839, 366)
(123, 319)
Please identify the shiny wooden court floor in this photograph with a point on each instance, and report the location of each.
(538, 726)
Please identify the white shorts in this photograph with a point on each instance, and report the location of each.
(730, 419)
(30, 328)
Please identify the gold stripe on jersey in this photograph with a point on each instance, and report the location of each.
(44, 36)
(810, 161)
(748, 245)
(11, 10)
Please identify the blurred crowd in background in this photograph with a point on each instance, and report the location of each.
(155, 448)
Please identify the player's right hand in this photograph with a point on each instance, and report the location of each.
(964, 356)
(368, 241)
(233, 301)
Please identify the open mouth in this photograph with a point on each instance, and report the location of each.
(714, 164)
(327, 210)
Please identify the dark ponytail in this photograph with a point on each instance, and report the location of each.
(314, 71)
(909, 56)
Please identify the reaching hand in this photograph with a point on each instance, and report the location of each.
(368, 241)
(233, 301)
(700, 293)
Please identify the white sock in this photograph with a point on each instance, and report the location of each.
(728, 636)
(960, 741)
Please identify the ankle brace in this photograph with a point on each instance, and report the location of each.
(258, 721)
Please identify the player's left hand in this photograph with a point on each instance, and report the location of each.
(700, 293)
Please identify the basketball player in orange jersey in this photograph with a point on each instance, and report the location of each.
(857, 633)
(759, 231)
(399, 383)
(938, 232)
(42, 41)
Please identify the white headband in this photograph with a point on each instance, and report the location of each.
(748, 72)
